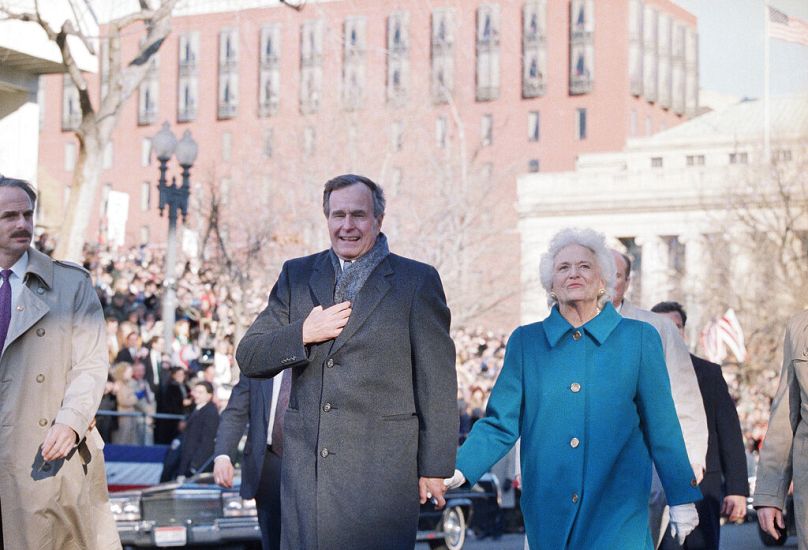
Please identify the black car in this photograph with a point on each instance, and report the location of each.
(200, 513)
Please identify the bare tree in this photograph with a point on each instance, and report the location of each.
(98, 118)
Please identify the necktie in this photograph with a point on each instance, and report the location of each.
(5, 307)
(280, 408)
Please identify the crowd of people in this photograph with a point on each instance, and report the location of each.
(159, 377)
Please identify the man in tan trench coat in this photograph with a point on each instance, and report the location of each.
(52, 373)
(784, 456)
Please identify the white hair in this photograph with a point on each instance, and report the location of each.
(588, 238)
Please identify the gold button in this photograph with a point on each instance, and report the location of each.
(574, 442)
(324, 453)
(40, 378)
(20, 308)
(43, 422)
(576, 335)
(574, 498)
(575, 387)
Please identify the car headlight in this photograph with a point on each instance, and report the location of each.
(125, 508)
(234, 506)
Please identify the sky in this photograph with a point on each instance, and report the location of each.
(731, 48)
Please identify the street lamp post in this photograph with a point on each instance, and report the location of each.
(175, 198)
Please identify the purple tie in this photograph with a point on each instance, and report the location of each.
(5, 307)
(280, 409)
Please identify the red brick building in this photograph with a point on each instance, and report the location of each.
(444, 104)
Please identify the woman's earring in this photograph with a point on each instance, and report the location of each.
(553, 296)
(601, 292)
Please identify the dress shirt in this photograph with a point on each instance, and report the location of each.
(16, 279)
(276, 390)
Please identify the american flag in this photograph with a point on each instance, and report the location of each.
(790, 29)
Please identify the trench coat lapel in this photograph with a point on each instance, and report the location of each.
(29, 310)
(322, 281)
(366, 301)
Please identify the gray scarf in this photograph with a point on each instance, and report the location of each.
(350, 281)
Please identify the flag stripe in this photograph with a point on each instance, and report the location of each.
(790, 29)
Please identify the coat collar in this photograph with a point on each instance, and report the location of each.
(322, 280)
(599, 328)
(41, 265)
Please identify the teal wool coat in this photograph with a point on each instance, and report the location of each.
(593, 407)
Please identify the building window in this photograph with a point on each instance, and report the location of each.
(440, 132)
(145, 152)
(656, 162)
(397, 135)
(695, 160)
(108, 155)
(309, 138)
(71, 110)
(533, 128)
(70, 156)
(486, 130)
(397, 56)
(145, 196)
(268, 144)
(781, 155)
(227, 146)
(632, 123)
(487, 52)
(533, 165)
(738, 158)
(187, 82)
(580, 123)
(395, 182)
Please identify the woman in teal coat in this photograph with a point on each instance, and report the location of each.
(588, 393)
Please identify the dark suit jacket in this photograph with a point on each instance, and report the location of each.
(150, 371)
(125, 356)
(198, 439)
(249, 403)
(725, 449)
(369, 412)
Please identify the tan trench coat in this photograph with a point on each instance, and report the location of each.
(784, 456)
(53, 369)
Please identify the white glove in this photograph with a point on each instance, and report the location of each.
(684, 519)
(455, 481)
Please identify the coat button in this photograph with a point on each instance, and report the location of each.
(574, 442)
(575, 387)
(576, 335)
(329, 363)
(43, 422)
(574, 498)
(40, 378)
(40, 290)
(20, 308)
(327, 407)
(40, 332)
(694, 483)
(324, 453)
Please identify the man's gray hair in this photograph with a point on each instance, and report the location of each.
(346, 180)
(588, 238)
(20, 184)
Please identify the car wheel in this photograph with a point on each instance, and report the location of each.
(453, 526)
(768, 540)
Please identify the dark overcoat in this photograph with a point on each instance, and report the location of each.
(369, 412)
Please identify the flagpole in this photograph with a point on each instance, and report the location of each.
(766, 81)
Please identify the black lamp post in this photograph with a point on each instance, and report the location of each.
(175, 198)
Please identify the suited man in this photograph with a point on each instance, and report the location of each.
(153, 361)
(784, 455)
(372, 423)
(684, 388)
(200, 431)
(53, 368)
(131, 352)
(725, 472)
(258, 403)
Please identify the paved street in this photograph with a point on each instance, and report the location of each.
(733, 537)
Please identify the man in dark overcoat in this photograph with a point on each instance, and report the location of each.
(372, 422)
